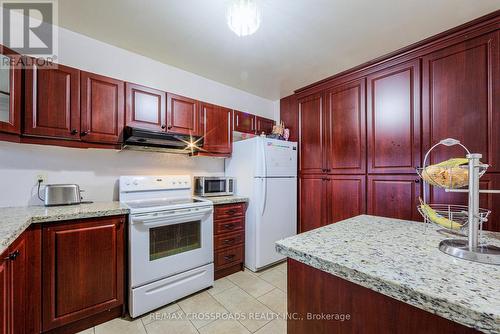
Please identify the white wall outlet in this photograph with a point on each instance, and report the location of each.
(41, 176)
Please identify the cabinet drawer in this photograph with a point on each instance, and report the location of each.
(228, 256)
(228, 211)
(230, 225)
(229, 239)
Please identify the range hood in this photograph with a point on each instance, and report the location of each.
(159, 141)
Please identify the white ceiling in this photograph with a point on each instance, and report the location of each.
(298, 43)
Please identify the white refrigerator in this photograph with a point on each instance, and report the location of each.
(266, 172)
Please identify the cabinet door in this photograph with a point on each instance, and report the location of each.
(103, 109)
(346, 196)
(312, 192)
(394, 119)
(346, 129)
(145, 107)
(4, 294)
(183, 115)
(52, 102)
(290, 116)
(394, 196)
(461, 99)
(83, 270)
(18, 279)
(311, 135)
(217, 129)
(244, 122)
(264, 125)
(486, 201)
(10, 92)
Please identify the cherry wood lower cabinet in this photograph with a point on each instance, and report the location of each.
(394, 196)
(83, 272)
(314, 292)
(20, 285)
(229, 238)
(329, 199)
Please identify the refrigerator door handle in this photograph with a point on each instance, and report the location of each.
(264, 196)
(263, 158)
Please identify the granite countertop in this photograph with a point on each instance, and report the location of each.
(15, 220)
(218, 200)
(401, 259)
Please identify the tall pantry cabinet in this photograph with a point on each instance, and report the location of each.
(363, 132)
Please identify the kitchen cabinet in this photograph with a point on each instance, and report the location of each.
(311, 134)
(183, 115)
(83, 273)
(329, 199)
(102, 107)
(290, 115)
(461, 98)
(264, 125)
(10, 92)
(345, 129)
(217, 129)
(145, 107)
(4, 293)
(244, 122)
(19, 288)
(394, 196)
(394, 119)
(346, 196)
(229, 238)
(52, 102)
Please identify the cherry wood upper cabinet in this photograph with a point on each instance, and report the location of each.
(4, 293)
(52, 102)
(461, 98)
(264, 125)
(10, 92)
(312, 210)
(345, 129)
(146, 107)
(346, 196)
(244, 122)
(83, 272)
(217, 132)
(394, 196)
(289, 115)
(102, 109)
(394, 119)
(183, 115)
(311, 134)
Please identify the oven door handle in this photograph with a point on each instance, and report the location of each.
(151, 220)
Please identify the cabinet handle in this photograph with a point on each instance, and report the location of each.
(13, 256)
(229, 257)
(84, 133)
(229, 226)
(169, 127)
(228, 241)
(74, 132)
(231, 212)
(417, 180)
(163, 126)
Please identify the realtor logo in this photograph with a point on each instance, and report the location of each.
(29, 27)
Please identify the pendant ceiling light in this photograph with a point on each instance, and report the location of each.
(243, 17)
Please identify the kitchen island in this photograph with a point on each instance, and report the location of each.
(371, 274)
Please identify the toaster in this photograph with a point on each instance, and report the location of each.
(62, 194)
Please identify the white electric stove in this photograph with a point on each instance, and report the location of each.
(170, 240)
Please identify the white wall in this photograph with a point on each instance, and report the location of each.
(95, 170)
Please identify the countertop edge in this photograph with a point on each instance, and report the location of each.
(431, 304)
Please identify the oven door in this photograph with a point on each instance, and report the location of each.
(166, 243)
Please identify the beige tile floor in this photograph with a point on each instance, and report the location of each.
(244, 302)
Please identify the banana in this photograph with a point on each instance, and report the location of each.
(433, 216)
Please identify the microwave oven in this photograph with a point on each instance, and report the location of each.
(207, 186)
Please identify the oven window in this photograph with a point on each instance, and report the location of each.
(215, 186)
(174, 239)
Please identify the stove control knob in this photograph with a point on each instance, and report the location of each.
(135, 182)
